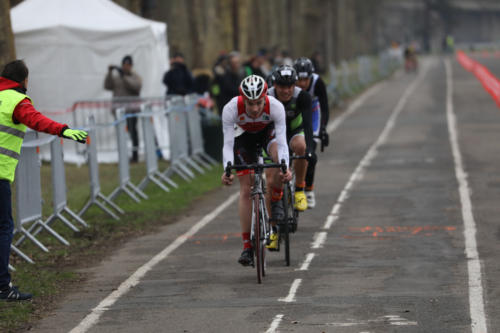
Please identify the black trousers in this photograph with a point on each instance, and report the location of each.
(311, 166)
(6, 232)
(134, 136)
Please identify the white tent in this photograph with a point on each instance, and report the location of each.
(68, 45)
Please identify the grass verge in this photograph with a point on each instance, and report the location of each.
(56, 272)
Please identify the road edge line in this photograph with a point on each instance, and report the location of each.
(93, 317)
(476, 298)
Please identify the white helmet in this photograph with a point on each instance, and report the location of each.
(253, 87)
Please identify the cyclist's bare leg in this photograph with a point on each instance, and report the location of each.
(298, 146)
(272, 176)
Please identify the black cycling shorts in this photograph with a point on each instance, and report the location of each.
(247, 144)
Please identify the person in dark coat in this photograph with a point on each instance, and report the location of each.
(178, 79)
(230, 80)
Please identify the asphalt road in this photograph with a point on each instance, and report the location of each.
(404, 237)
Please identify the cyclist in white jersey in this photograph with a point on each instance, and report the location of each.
(249, 121)
(314, 85)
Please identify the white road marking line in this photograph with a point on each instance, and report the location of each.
(92, 318)
(476, 299)
(330, 220)
(359, 172)
(293, 290)
(319, 240)
(276, 322)
(353, 107)
(334, 125)
(307, 262)
(392, 320)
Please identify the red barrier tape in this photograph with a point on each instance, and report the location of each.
(490, 83)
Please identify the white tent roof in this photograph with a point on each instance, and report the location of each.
(68, 45)
(94, 15)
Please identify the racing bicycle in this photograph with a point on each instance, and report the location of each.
(260, 228)
(290, 222)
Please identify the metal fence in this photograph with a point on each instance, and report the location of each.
(171, 115)
(349, 77)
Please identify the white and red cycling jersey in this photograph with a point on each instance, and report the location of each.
(234, 116)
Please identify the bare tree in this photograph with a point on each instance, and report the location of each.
(7, 49)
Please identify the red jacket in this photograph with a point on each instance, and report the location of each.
(26, 114)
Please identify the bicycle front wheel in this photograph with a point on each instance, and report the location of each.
(285, 224)
(258, 245)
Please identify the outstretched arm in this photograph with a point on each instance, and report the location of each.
(26, 114)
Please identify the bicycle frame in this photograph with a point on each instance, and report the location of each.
(258, 197)
(259, 231)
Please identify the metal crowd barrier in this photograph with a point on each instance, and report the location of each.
(178, 138)
(59, 198)
(29, 195)
(153, 174)
(60, 201)
(125, 185)
(96, 197)
(197, 152)
(351, 76)
(186, 157)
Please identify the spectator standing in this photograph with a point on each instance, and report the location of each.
(124, 82)
(266, 65)
(317, 61)
(219, 69)
(178, 79)
(230, 80)
(253, 66)
(16, 114)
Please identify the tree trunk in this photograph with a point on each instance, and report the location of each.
(7, 48)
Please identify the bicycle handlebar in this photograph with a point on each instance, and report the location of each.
(255, 166)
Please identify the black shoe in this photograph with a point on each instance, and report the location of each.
(13, 294)
(277, 211)
(246, 258)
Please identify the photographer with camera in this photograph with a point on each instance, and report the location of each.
(124, 81)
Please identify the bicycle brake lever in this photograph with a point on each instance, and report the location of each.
(283, 165)
(228, 169)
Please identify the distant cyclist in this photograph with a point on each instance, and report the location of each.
(249, 121)
(314, 85)
(299, 133)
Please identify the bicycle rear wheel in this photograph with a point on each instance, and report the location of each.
(284, 225)
(264, 228)
(258, 245)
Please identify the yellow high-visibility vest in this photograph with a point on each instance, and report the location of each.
(11, 135)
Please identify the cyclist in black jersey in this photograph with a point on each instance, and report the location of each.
(314, 85)
(297, 105)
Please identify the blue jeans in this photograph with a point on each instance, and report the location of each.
(6, 232)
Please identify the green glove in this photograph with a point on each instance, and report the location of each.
(77, 135)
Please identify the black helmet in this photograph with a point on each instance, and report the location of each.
(304, 67)
(285, 75)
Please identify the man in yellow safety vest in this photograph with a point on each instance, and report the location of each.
(16, 114)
